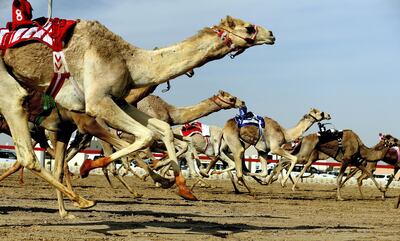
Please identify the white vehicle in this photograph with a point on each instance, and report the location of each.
(7, 157)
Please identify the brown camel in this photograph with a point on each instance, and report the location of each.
(391, 157)
(349, 149)
(271, 138)
(106, 68)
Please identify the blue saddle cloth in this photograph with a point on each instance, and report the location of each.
(249, 119)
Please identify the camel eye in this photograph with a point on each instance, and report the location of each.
(250, 29)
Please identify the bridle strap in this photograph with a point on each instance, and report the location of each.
(314, 118)
(216, 97)
(224, 36)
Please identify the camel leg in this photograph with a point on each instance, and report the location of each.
(233, 142)
(58, 172)
(112, 168)
(274, 175)
(306, 166)
(92, 126)
(125, 123)
(17, 120)
(105, 172)
(369, 174)
(191, 163)
(164, 132)
(360, 182)
(232, 178)
(211, 164)
(350, 175)
(285, 154)
(397, 203)
(264, 163)
(21, 176)
(340, 177)
(13, 169)
(396, 169)
(126, 185)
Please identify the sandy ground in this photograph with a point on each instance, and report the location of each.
(312, 213)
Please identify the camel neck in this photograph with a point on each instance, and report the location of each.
(374, 153)
(160, 65)
(187, 114)
(302, 126)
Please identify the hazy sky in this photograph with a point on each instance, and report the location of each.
(342, 57)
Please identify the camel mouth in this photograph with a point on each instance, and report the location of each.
(270, 41)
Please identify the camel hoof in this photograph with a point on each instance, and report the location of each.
(84, 204)
(339, 199)
(68, 216)
(204, 174)
(85, 168)
(137, 195)
(166, 183)
(186, 193)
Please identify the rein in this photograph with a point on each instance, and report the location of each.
(224, 36)
(216, 97)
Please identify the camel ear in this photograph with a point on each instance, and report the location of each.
(229, 21)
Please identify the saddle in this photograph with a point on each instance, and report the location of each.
(327, 135)
(250, 119)
(53, 33)
(195, 128)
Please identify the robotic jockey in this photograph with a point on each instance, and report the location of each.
(21, 14)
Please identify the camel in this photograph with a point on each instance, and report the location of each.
(349, 149)
(391, 157)
(282, 164)
(156, 107)
(106, 68)
(271, 138)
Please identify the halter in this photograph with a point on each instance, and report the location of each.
(316, 120)
(224, 36)
(216, 97)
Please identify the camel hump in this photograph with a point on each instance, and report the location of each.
(250, 134)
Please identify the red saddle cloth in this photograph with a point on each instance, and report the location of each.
(51, 33)
(191, 129)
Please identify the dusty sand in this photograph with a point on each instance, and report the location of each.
(312, 213)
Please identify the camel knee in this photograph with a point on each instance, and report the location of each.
(145, 138)
(164, 128)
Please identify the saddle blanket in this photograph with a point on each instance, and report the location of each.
(195, 128)
(250, 119)
(52, 33)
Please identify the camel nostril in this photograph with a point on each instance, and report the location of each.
(270, 33)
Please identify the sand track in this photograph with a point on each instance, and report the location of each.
(312, 213)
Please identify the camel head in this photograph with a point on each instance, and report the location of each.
(318, 115)
(240, 35)
(227, 101)
(388, 140)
